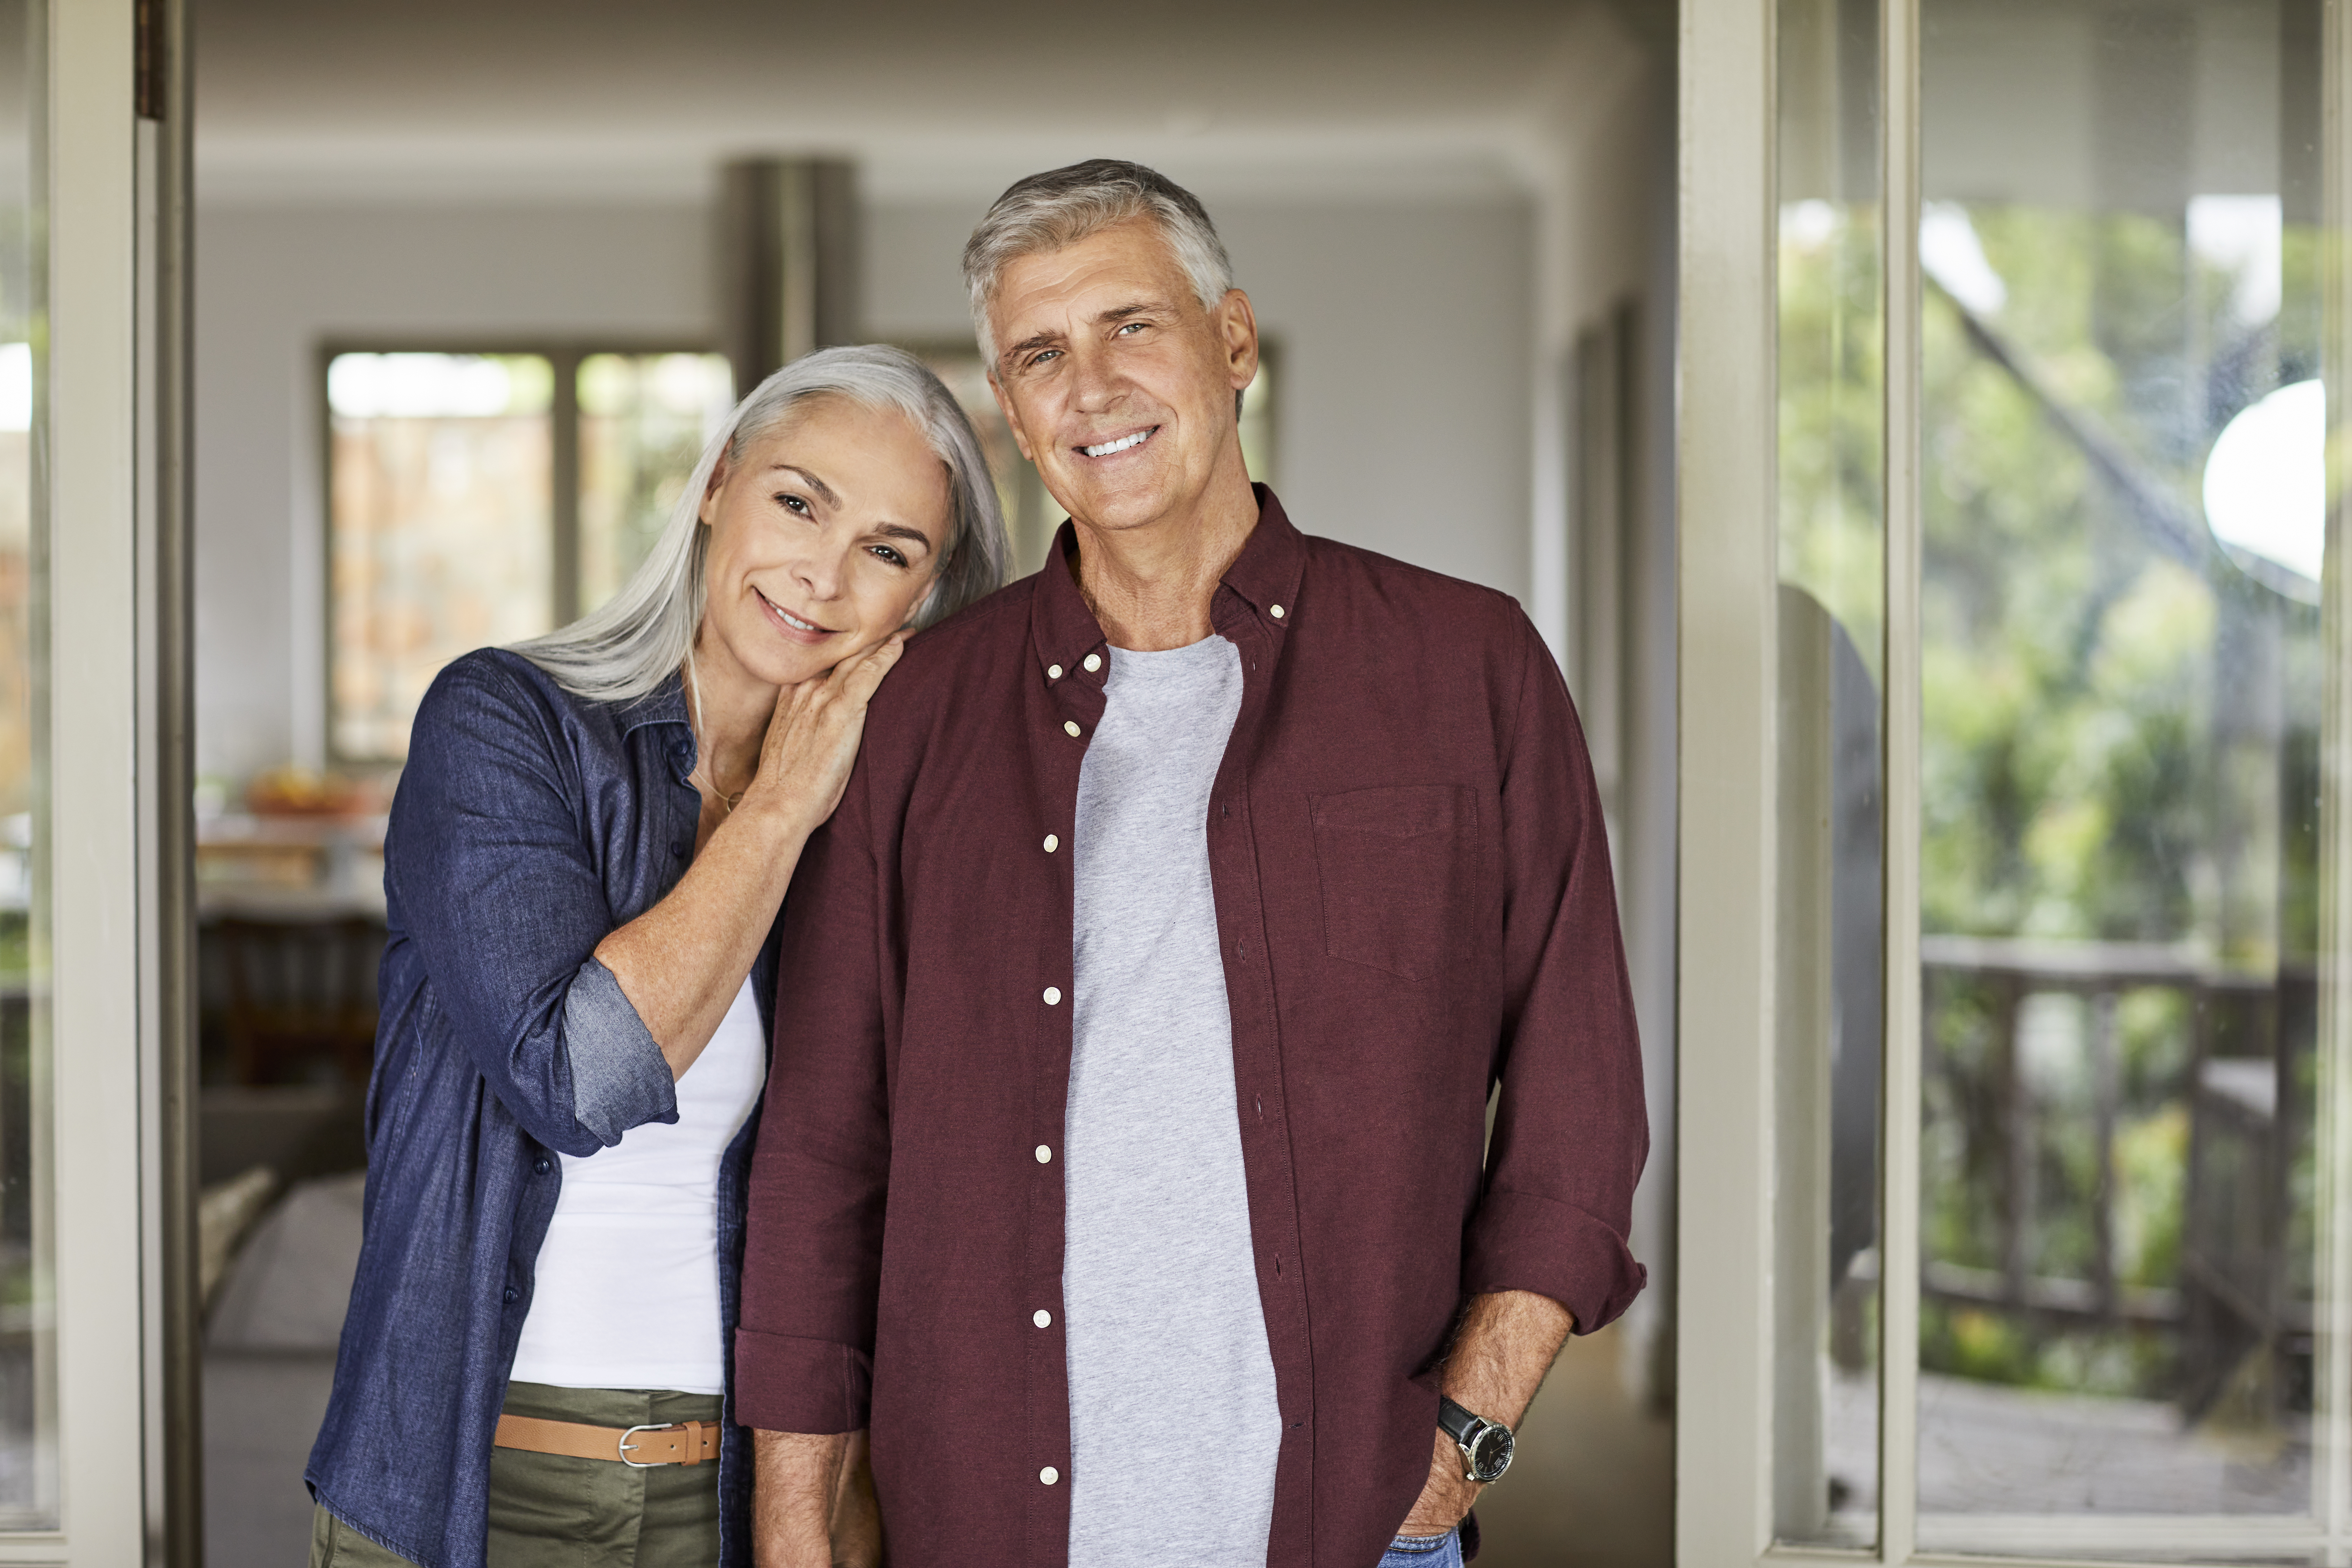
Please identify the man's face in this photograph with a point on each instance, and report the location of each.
(1119, 385)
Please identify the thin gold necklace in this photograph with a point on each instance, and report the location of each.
(726, 800)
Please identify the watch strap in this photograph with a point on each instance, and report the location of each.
(1454, 1421)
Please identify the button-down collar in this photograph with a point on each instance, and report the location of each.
(1065, 633)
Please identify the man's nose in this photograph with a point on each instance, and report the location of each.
(1094, 387)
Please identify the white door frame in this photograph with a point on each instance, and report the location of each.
(107, 502)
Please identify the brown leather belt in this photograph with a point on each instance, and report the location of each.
(689, 1443)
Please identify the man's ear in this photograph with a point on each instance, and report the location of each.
(1237, 332)
(1012, 419)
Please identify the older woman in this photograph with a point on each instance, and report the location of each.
(589, 847)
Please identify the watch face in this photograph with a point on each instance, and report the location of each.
(1490, 1455)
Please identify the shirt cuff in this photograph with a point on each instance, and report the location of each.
(783, 1384)
(1523, 1241)
(619, 1077)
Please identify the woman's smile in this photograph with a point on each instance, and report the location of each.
(792, 625)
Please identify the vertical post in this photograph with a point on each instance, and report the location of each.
(2332, 1423)
(2106, 1093)
(789, 242)
(1898, 1424)
(101, 930)
(1728, 577)
(174, 1354)
(563, 415)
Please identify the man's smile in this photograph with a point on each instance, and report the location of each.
(1126, 443)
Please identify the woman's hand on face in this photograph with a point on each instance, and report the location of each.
(813, 736)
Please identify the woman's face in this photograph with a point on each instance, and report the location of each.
(825, 533)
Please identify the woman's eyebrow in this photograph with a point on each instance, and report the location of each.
(824, 491)
(900, 531)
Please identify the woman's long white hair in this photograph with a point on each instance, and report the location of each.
(645, 633)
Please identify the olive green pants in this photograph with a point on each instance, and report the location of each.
(551, 1511)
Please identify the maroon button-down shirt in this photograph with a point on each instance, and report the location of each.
(1413, 902)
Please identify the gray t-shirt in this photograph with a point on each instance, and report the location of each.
(1173, 1419)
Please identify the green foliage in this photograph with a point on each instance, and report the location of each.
(2118, 744)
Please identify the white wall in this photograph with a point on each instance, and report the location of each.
(1403, 420)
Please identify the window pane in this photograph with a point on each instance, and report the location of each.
(28, 1479)
(643, 422)
(441, 538)
(2122, 693)
(1831, 616)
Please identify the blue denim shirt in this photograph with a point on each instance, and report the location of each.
(529, 823)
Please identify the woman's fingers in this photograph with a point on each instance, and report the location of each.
(860, 678)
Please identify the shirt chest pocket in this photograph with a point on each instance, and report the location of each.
(1395, 865)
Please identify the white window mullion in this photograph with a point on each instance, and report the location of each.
(1898, 1426)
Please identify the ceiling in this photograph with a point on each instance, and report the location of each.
(311, 100)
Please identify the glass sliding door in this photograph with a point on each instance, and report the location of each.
(2123, 506)
(2016, 1122)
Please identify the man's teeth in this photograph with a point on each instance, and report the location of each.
(1121, 445)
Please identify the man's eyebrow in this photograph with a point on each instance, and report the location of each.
(1046, 338)
(824, 491)
(1141, 307)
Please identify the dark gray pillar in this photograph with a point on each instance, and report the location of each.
(788, 261)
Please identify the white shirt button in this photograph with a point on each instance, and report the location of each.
(1053, 995)
(1094, 662)
(1052, 672)
(1045, 1155)
(1049, 1475)
(1053, 842)
(1042, 1319)
(1070, 726)
(1278, 612)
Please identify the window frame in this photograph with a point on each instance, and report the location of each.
(563, 356)
(1726, 526)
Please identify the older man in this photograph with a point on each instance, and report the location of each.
(1125, 1163)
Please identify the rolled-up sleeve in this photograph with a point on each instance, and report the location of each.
(1571, 1126)
(813, 1247)
(498, 892)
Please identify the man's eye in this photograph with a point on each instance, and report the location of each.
(1042, 357)
(1131, 327)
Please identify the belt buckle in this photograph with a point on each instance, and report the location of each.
(628, 1448)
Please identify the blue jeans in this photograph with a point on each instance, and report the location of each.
(1424, 1551)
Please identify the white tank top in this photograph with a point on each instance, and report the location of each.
(626, 1290)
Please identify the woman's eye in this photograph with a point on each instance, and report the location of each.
(795, 504)
(892, 556)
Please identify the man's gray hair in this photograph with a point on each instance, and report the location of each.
(1062, 206)
(645, 633)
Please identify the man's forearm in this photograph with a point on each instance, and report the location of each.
(796, 1478)
(1506, 1345)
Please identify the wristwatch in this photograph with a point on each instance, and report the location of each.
(1486, 1445)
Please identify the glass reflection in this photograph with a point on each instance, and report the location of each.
(1831, 632)
(2121, 705)
(28, 1469)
